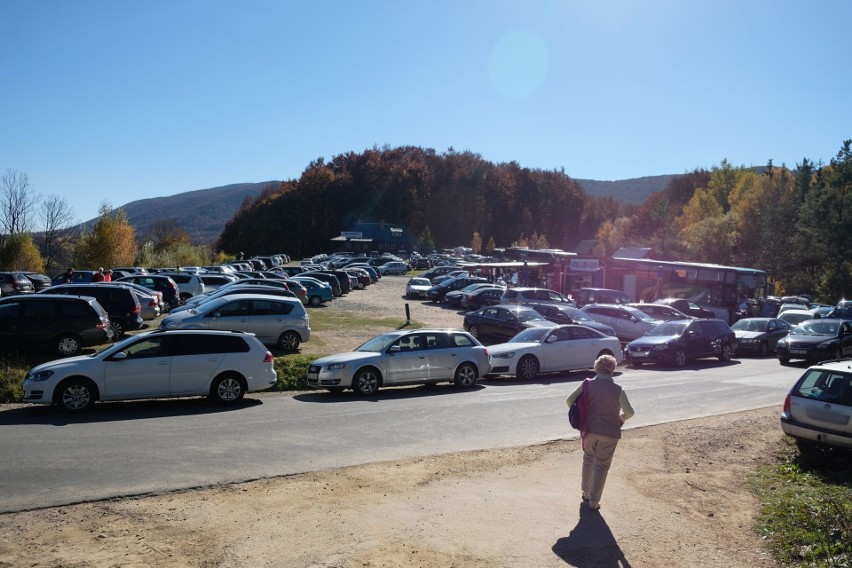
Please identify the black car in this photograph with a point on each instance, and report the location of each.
(65, 323)
(40, 281)
(342, 279)
(120, 302)
(816, 340)
(482, 297)
(565, 314)
(160, 283)
(329, 279)
(454, 298)
(12, 283)
(502, 322)
(437, 292)
(759, 335)
(678, 341)
(685, 306)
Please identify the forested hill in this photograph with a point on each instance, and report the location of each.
(203, 213)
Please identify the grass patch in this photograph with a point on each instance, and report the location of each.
(806, 507)
(13, 369)
(292, 372)
(328, 320)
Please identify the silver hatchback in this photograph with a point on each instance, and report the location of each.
(277, 321)
(818, 409)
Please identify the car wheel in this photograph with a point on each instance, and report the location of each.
(836, 353)
(466, 375)
(76, 394)
(315, 301)
(680, 358)
(117, 329)
(474, 331)
(167, 306)
(527, 368)
(725, 355)
(227, 388)
(366, 381)
(784, 360)
(184, 297)
(68, 345)
(762, 349)
(289, 341)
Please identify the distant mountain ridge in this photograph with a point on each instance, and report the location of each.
(202, 213)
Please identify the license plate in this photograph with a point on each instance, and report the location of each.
(798, 351)
(639, 354)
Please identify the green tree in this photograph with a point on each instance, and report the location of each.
(111, 241)
(490, 247)
(19, 252)
(425, 242)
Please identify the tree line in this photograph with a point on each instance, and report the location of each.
(793, 223)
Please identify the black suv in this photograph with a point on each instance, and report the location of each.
(120, 302)
(160, 283)
(66, 323)
(677, 341)
(437, 292)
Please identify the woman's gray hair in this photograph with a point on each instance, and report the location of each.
(605, 364)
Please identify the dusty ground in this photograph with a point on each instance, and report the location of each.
(676, 496)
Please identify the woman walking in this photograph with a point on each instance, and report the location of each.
(607, 407)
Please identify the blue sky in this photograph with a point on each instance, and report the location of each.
(115, 101)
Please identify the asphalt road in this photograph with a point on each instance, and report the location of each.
(121, 449)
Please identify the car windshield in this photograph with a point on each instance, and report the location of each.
(816, 328)
(378, 344)
(577, 315)
(528, 315)
(750, 325)
(668, 329)
(642, 315)
(533, 335)
(420, 282)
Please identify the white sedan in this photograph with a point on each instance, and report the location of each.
(548, 350)
(403, 358)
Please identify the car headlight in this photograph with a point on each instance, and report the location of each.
(506, 355)
(663, 347)
(781, 343)
(826, 344)
(38, 377)
(335, 366)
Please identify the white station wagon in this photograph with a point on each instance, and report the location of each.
(403, 358)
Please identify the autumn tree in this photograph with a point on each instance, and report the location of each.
(19, 252)
(111, 241)
(476, 243)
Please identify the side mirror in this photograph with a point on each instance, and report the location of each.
(393, 349)
(120, 356)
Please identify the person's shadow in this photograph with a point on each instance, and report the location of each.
(591, 543)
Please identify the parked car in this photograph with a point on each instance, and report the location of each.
(454, 297)
(534, 295)
(628, 323)
(659, 311)
(362, 277)
(795, 317)
(77, 277)
(502, 322)
(64, 323)
(401, 358)
(282, 322)
(213, 281)
(565, 314)
(549, 350)
(189, 284)
(678, 341)
(342, 278)
(318, 292)
(818, 410)
(686, 307)
(759, 335)
(437, 292)
(39, 281)
(120, 302)
(160, 283)
(417, 288)
(453, 274)
(329, 279)
(441, 270)
(149, 300)
(220, 365)
(196, 301)
(816, 340)
(394, 267)
(421, 263)
(601, 296)
(482, 297)
(12, 283)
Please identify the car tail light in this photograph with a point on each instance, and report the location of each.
(136, 310)
(103, 324)
(787, 404)
(268, 358)
(153, 303)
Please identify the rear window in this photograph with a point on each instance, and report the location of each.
(826, 386)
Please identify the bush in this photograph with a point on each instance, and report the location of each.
(13, 369)
(292, 372)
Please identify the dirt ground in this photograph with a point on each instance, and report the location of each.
(676, 496)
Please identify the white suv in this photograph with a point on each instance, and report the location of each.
(818, 409)
(157, 364)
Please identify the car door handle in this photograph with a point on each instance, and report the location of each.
(161, 363)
